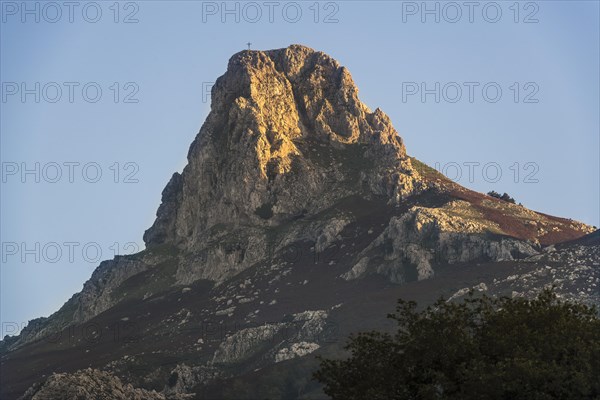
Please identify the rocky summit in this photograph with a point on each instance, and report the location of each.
(298, 219)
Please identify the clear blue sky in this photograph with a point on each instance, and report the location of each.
(175, 50)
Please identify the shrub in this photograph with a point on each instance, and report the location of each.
(504, 196)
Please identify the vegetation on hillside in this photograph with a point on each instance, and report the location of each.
(482, 348)
(504, 196)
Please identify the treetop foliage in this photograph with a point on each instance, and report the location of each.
(504, 196)
(481, 348)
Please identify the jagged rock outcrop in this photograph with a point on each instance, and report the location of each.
(573, 270)
(286, 136)
(87, 384)
(424, 237)
(283, 336)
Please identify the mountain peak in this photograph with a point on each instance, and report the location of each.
(286, 135)
(291, 59)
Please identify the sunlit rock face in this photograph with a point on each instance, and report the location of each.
(286, 136)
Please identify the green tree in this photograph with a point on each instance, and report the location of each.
(482, 348)
(505, 196)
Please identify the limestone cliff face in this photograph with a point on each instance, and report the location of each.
(286, 136)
